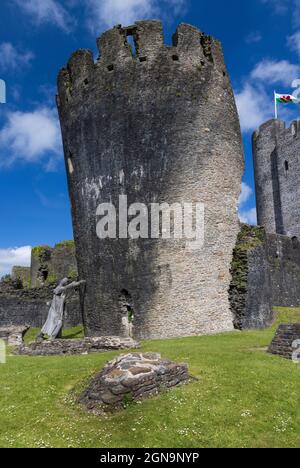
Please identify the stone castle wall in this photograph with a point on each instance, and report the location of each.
(31, 306)
(265, 274)
(158, 124)
(49, 265)
(276, 151)
(24, 300)
(21, 274)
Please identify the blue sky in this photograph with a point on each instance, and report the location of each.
(261, 40)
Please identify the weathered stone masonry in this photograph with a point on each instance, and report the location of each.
(24, 300)
(265, 273)
(287, 335)
(31, 306)
(159, 125)
(49, 265)
(276, 151)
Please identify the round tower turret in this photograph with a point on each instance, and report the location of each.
(156, 124)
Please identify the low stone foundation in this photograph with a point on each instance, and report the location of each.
(286, 335)
(13, 335)
(84, 346)
(132, 377)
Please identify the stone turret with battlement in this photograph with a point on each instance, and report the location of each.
(159, 124)
(276, 151)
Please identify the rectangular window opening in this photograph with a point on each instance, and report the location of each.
(132, 44)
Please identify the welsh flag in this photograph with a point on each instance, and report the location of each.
(286, 99)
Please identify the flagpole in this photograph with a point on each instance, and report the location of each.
(275, 102)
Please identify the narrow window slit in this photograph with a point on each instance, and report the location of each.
(286, 165)
(132, 44)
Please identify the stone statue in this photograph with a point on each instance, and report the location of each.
(54, 322)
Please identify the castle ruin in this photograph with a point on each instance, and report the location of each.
(276, 152)
(158, 124)
(266, 260)
(25, 296)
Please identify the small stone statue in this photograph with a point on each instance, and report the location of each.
(54, 322)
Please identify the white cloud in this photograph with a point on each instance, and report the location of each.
(30, 136)
(19, 256)
(254, 103)
(100, 14)
(245, 193)
(272, 71)
(294, 42)
(108, 13)
(12, 59)
(254, 106)
(47, 11)
(248, 216)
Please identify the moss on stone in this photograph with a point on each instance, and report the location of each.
(249, 238)
(40, 250)
(51, 279)
(37, 251)
(66, 243)
(73, 275)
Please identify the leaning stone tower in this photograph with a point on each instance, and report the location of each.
(158, 124)
(276, 152)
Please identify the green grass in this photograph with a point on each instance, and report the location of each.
(70, 333)
(244, 398)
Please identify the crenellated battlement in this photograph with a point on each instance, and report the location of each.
(277, 128)
(191, 48)
(155, 123)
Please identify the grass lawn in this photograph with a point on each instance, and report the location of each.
(243, 398)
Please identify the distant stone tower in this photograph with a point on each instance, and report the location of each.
(276, 152)
(159, 124)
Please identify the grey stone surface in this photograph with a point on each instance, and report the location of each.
(132, 377)
(70, 347)
(13, 335)
(265, 273)
(51, 264)
(21, 274)
(25, 299)
(286, 335)
(276, 151)
(250, 288)
(158, 126)
(31, 306)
